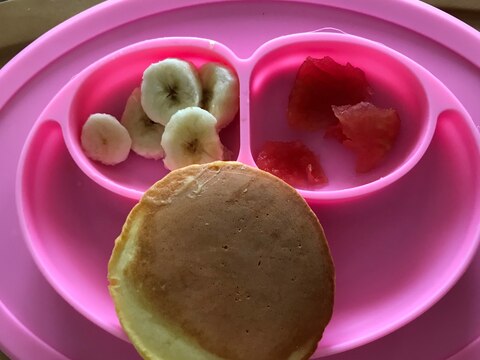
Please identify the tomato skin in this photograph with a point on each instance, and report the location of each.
(319, 84)
(369, 131)
(293, 162)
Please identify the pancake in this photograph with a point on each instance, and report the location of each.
(222, 261)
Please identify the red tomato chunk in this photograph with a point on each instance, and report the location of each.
(319, 84)
(293, 162)
(367, 130)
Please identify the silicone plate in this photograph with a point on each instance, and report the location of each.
(72, 240)
(55, 76)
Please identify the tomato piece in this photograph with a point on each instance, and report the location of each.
(369, 131)
(293, 162)
(319, 84)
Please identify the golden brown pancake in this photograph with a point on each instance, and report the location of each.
(222, 261)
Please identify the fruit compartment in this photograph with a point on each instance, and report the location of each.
(265, 79)
(396, 83)
(105, 87)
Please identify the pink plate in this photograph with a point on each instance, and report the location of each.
(429, 213)
(70, 223)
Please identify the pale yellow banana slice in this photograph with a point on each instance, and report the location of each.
(168, 86)
(190, 137)
(104, 139)
(146, 135)
(220, 92)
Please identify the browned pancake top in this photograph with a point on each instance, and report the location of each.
(235, 259)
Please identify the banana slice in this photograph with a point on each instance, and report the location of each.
(190, 137)
(168, 86)
(146, 135)
(104, 139)
(220, 92)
